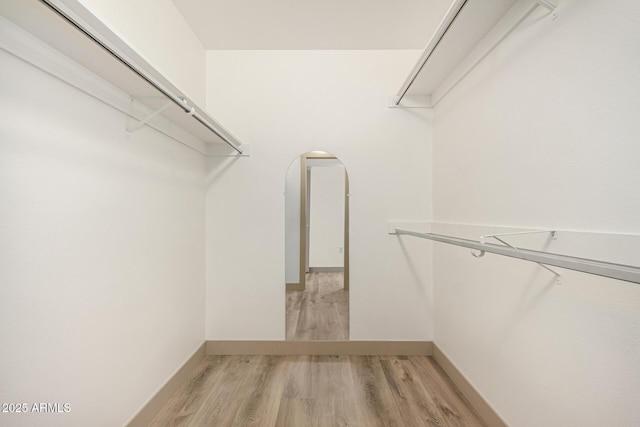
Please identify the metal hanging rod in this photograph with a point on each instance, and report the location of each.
(599, 268)
(178, 100)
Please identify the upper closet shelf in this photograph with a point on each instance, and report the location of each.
(66, 40)
(471, 28)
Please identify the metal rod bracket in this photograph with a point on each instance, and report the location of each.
(483, 240)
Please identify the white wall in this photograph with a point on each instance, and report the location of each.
(544, 134)
(101, 261)
(285, 103)
(326, 221)
(292, 223)
(159, 33)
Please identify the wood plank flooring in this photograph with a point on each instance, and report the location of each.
(321, 311)
(296, 391)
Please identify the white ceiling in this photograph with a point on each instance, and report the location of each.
(313, 24)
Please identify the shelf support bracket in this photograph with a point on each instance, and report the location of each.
(550, 6)
(144, 121)
(483, 240)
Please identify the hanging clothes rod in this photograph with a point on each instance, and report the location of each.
(599, 268)
(178, 100)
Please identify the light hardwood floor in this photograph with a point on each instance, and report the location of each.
(321, 311)
(296, 391)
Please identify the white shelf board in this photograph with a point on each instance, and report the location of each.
(40, 21)
(473, 22)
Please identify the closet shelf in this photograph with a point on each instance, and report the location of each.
(84, 43)
(470, 30)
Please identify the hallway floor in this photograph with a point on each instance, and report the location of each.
(321, 311)
(293, 391)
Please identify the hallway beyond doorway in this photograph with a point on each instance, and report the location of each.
(321, 311)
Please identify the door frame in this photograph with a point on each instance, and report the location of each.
(304, 214)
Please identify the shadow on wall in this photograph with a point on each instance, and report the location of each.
(217, 166)
(412, 265)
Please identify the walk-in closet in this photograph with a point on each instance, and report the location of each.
(319, 213)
